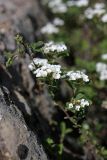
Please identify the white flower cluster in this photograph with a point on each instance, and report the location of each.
(101, 68)
(76, 75)
(37, 62)
(47, 69)
(44, 68)
(58, 21)
(104, 18)
(55, 70)
(104, 56)
(97, 10)
(49, 28)
(57, 6)
(52, 47)
(78, 104)
(77, 3)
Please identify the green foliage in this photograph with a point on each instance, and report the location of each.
(19, 39)
(50, 142)
(9, 61)
(86, 40)
(60, 146)
(36, 47)
(90, 66)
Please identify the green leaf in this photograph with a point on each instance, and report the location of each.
(68, 130)
(79, 96)
(9, 62)
(19, 39)
(61, 146)
(36, 46)
(87, 91)
(50, 141)
(63, 127)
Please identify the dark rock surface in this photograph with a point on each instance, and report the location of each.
(16, 141)
(25, 111)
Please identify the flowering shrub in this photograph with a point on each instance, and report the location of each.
(74, 54)
(78, 104)
(48, 71)
(84, 32)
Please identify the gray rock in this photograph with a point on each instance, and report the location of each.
(16, 141)
(19, 16)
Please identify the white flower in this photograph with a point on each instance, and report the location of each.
(38, 62)
(100, 67)
(77, 107)
(82, 3)
(78, 104)
(104, 56)
(99, 5)
(62, 8)
(49, 28)
(40, 73)
(97, 10)
(31, 66)
(41, 68)
(103, 75)
(89, 13)
(78, 3)
(56, 75)
(84, 77)
(84, 103)
(70, 105)
(57, 6)
(104, 18)
(54, 3)
(52, 47)
(45, 68)
(75, 75)
(58, 22)
(70, 3)
(43, 71)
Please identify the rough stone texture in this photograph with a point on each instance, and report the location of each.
(30, 98)
(25, 111)
(16, 141)
(19, 16)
